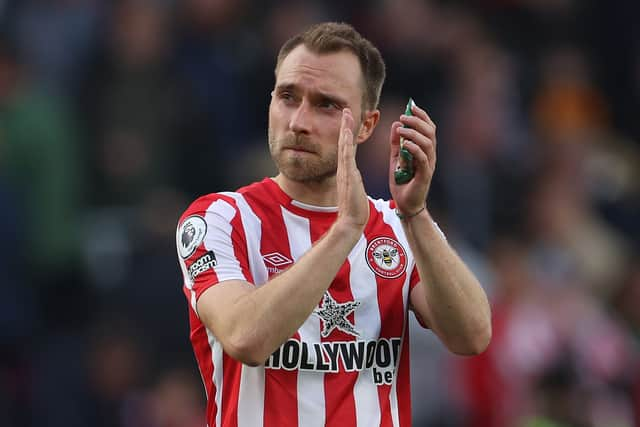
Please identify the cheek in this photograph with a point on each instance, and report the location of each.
(332, 131)
(276, 116)
(272, 115)
(331, 128)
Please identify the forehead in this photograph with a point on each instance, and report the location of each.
(337, 71)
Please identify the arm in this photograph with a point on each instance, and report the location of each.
(251, 323)
(449, 298)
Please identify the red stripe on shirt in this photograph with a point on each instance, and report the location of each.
(231, 383)
(403, 387)
(281, 397)
(280, 385)
(340, 406)
(202, 351)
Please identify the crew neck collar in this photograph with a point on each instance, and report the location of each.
(287, 201)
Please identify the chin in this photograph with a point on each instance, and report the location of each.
(306, 176)
(303, 170)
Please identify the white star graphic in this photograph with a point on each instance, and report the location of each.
(334, 315)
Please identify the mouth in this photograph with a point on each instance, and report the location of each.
(298, 149)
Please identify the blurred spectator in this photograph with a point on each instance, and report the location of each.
(482, 138)
(136, 106)
(176, 400)
(90, 377)
(566, 101)
(625, 305)
(56, 38)
(495, 386)
(546, 327)
(40, 163)
(627, 300)
(571, 117)
(213, 48)
(558, 402)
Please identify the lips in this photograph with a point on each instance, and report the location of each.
(299, 149)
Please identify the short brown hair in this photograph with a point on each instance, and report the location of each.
(332, 37)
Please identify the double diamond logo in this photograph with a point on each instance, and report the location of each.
(276, 259)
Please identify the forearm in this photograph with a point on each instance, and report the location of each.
(258, 321)
(456, 306)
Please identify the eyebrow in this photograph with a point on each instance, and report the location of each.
(314, 94)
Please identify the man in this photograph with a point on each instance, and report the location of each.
(299, 285)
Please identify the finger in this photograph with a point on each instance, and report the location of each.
(422, 142)
(346, 125)
(394, 143)
(419, 124)
(346, 146)
(414, 135)
(421, 159)
(394, 136)
(419, 112)
(422, 114)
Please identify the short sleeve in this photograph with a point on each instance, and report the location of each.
(211, 245)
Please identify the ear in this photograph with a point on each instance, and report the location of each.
(367, 126)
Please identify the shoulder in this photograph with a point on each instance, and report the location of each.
(228, 204)
(210, 203)
(204, 214)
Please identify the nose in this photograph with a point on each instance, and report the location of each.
(300, 121)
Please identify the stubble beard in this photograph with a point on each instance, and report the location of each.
(304, 168)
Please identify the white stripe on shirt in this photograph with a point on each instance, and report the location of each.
(311, 407)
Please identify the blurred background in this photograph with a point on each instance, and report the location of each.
(115, 114)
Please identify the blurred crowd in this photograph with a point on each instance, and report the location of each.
(115, 114)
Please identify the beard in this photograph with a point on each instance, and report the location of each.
(313, 166)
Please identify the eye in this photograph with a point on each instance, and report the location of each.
(287, 97)
(328, 104)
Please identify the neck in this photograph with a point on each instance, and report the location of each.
(316, 193)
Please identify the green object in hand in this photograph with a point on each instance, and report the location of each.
(404, 170)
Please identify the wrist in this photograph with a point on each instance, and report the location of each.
(347, 230)
(407, 215)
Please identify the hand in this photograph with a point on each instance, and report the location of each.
(420, 140)
(353, 205)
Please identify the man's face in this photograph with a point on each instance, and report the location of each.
(306, 109)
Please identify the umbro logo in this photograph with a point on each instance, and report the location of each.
(275, 260)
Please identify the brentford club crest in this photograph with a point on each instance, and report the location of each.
(386, 257)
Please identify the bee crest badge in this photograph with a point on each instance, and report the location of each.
(386, 257)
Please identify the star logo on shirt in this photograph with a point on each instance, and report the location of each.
(334, 315)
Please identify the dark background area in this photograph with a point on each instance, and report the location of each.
(114, 115)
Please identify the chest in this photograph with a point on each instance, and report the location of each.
(367, 298)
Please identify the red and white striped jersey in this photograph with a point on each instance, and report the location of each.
(348, 364)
